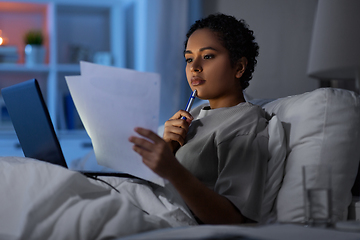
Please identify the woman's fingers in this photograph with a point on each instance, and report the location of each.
(182, 113)
(143, 146)
(148, 134)
(176, 128)
(141, 143)
(154, 151)
(144, 143)
(175, 134)
(179, 123)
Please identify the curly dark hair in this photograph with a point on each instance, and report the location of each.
(236, 37)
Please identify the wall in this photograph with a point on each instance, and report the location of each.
(283, 31)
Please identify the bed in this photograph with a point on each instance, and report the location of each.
(44, 201)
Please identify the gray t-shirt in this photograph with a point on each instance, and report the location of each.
(227, 150)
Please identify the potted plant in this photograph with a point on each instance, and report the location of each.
(34, 49)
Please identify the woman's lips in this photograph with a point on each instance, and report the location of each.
(195, 81)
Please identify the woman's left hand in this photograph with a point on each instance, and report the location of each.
(155, 152)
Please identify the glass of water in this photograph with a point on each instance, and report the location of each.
(317, 195)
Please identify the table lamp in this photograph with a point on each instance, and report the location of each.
(335, 44)
(3, 40)
(335, 55)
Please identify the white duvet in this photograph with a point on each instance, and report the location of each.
(44, 201)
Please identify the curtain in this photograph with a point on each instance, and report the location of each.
(155, 33)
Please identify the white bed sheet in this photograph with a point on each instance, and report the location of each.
(44, 201)
(263, 232)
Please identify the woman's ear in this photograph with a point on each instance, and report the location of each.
(241, 67)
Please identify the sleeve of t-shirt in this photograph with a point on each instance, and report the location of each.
(242, 171)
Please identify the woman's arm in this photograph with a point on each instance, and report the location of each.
(207, 205)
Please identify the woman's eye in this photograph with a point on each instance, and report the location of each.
(188, 60)
(208, 56)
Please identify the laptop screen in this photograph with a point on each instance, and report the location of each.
(32, 123)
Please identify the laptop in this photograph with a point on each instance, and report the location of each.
(34, 128)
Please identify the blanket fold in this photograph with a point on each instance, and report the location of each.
(44, 201)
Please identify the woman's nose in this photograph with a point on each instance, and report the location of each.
(196, 66)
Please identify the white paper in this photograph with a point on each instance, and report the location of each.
(111, 102)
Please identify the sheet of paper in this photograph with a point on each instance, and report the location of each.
(111, 102)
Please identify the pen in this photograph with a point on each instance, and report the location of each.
(190, 102)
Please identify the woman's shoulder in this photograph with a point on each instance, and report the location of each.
(254, 109)
(243, 110)
(243, 113)
(244, 119)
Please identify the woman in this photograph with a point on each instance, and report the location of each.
(216, 158)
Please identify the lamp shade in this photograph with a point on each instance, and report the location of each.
(335, 44)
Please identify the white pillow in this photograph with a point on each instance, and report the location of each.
(321, 127)
(275, 169)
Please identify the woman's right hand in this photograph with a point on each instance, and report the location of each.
(175, 129)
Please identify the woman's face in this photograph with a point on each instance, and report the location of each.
(209, 71)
